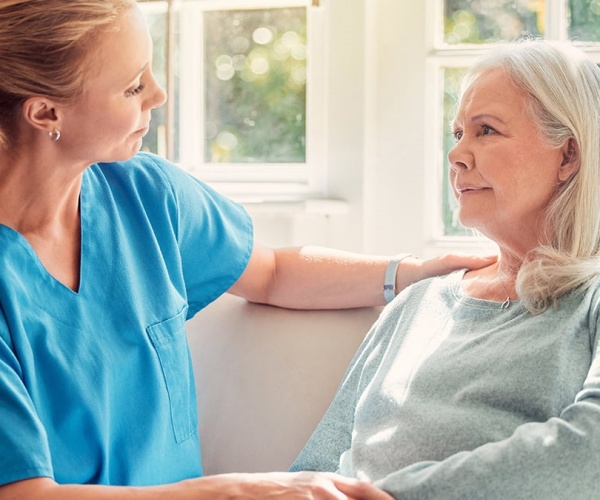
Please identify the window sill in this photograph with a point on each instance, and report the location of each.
(476, 245)
(287, 198)
(257, 205)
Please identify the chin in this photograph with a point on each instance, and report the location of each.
(130, 152)
(472, 223)
(467, 220)
(120, 157)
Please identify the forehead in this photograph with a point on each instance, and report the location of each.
(122, 50)
(492, 92)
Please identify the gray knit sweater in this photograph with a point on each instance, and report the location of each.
(452, 397)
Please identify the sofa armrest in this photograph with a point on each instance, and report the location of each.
(264, 378)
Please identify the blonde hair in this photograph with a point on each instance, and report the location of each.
(44, 50)
(563, 86)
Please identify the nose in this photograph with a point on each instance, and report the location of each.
(459, 157)
(157, 96)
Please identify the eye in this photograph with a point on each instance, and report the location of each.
(135, 91)
(457, 134)
(487, 130)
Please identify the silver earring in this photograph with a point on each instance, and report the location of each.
(54, 134)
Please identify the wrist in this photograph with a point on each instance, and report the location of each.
(390, 288)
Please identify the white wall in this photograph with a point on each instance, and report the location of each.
(394, 167)
(376, 133)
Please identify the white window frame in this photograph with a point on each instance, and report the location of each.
(256, 181)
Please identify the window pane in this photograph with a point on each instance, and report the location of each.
(255, 86)
(485, 21)
(156, 17)
(452, 226)
(584, 20)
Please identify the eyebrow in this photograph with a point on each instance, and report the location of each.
(487, 116)
(482, 116)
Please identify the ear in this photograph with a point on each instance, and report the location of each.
(570, 160)
(40, 113)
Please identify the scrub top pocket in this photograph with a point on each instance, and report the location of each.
(169, 340)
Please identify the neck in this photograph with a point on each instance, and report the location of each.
(496, 282)
(35, 196)
(508, 269)
(507, 301)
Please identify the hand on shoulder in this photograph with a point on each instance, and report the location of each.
(413, 269)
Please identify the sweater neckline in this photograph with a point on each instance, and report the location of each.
(462, 297)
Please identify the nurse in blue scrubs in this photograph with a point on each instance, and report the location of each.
(105, 252)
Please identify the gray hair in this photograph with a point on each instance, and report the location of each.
(563, 86)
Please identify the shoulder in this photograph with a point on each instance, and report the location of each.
(443, 288)
(590, 300)
(150, 177)
(436, 295)
(579, 307)
(144, 168)
(584, 300)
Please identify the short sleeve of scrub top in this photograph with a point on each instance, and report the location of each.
(96, 385)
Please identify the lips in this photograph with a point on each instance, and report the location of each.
(143, 131)
(465, 189)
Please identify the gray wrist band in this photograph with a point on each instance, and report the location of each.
(389, 283)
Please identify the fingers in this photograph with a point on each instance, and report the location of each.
(451, 262)
(471, 261)
(292, 486)
(413, 269)
(279, 485)
(359, 490)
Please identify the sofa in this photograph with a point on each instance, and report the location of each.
(264, 378)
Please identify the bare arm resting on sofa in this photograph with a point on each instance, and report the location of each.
(322, 278)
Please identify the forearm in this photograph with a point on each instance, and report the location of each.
(317, 486)
(47, 489)
(312, 278)
(554, 459)
(320, 278)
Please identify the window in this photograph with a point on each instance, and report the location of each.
(462, 32)
(245, 83)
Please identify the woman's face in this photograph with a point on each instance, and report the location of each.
(110, 120)
(502, 173)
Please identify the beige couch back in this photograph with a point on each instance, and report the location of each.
(265, 376)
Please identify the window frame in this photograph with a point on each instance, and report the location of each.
(256, 181)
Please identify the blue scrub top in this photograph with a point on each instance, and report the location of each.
(96, 386)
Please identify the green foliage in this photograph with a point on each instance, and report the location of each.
(452, 226)
(584, 20)
(158, 28)
(485, 21)
(255, 81)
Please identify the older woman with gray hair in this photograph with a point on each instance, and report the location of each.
(486, 383)
(105, 252)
